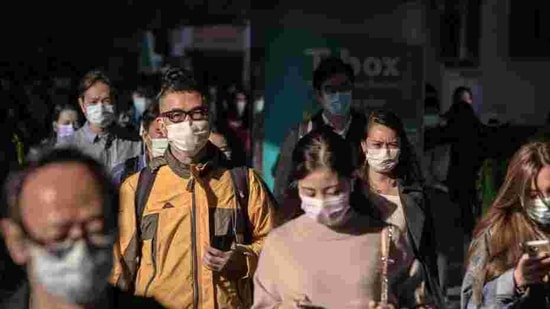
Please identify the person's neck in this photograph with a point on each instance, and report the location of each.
(181, 156)
(41, 299)
(337, 122)
(95, 129)
(381, 179)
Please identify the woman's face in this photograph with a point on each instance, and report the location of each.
(67, 117)
(540, 187)
(323, 183)
(380, 137)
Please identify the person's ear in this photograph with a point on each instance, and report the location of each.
(82, 106)
(15, 241)
(54, 126)
(364, 146)
(162, 126)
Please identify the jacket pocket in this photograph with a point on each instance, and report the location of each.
(223, 228)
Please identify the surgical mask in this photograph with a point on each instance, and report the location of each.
(382, 160)
(338, 103)
(79, 275)
(241, 104)
(158, 146)
(227, 154)
(64, 130)
(101, 115)
(538, 210)
(331, 211)
(65, 133)
(188, 137)
(139, 105)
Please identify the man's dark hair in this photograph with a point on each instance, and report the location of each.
(329, 67)
(16, 182)
(91, 78)
(178, 80)
(459, 91)
(150, 114)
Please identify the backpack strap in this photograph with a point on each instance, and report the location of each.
(241, 230)
(143, 190)
(130, 167)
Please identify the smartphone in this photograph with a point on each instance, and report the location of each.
(534, 247)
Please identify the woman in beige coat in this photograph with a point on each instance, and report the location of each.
(332, 257)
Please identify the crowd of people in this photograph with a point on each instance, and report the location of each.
(157, 208)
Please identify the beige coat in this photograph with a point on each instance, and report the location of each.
(305, 261)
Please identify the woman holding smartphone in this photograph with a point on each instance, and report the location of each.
(505, 267)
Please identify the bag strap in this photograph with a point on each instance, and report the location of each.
(239, 177)
(143, 190)
(130, 167)
(386, 240)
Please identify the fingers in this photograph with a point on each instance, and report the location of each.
(215, 259)
(214, 252)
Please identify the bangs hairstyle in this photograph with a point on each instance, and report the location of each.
(178, 80)
(408, 167)
(321, 148)
(16, 181)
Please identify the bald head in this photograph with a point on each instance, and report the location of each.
(61, 200)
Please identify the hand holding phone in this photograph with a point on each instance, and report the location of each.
(534, 266)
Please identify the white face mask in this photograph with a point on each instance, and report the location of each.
(158, 146)
(227, 154)
(79, 276)
(101, 115)
(188, 137)
(332, 211)
(538, 210)
(139, 105)
(382, 160)
(241, 104)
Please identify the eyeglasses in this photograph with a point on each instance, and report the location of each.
(179, 115)
(60, 247)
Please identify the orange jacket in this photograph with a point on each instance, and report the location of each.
(178, 222)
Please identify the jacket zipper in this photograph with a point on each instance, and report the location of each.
(194, 246)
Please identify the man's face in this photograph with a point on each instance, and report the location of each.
(98, 93)
(336, 83)
(177, 105)
(467, 97)
(154, 131)
(59, 204)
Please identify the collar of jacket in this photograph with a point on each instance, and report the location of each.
(356, 126)
(412, 195)
(205, 161)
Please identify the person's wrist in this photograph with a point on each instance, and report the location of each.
(519, 284)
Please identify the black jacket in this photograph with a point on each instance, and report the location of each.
(420, 230)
